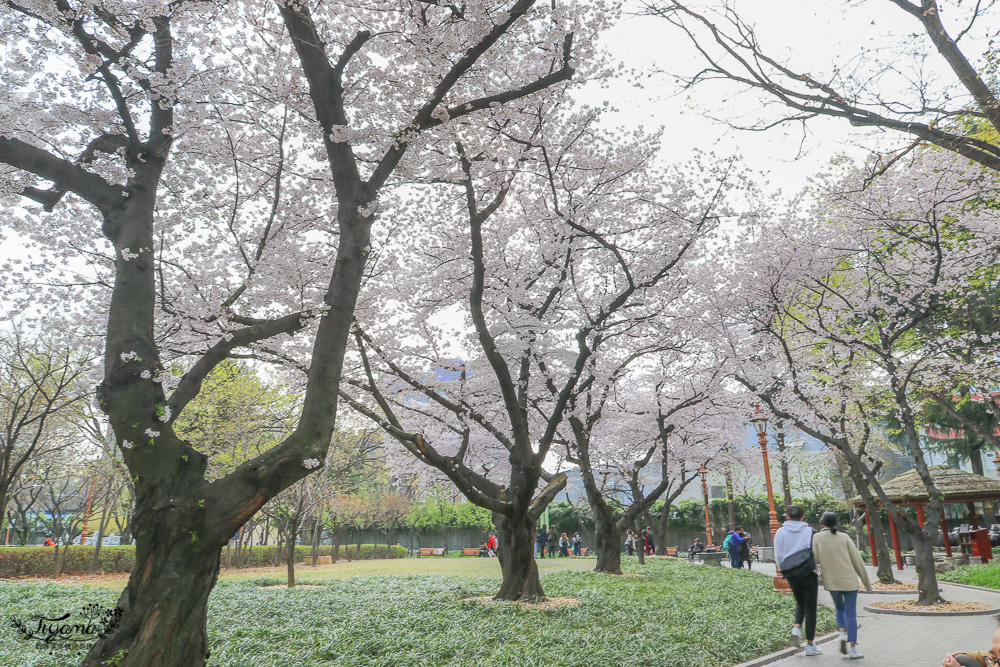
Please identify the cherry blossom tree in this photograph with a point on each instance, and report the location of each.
(830, 322)
(646, 435)
(482, 400)
(202, 182)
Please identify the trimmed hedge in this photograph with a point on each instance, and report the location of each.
(37, 561)
(263, 555)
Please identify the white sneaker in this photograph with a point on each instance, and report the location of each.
(797, 637)
(855, 653)
(843, 643)
(812, 649)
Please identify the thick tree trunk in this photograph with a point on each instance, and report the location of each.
(926, 574)
(731, 501)
(660, 530)
(608, 539)
(516, 536)
(290, 553)
(786, 487)
(165, 605)
(885, 574)
(640, 546)
(976, 460)
(315, 540)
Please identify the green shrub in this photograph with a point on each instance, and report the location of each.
(37, 561)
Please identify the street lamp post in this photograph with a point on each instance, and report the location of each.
(704, 490)
(759, 421)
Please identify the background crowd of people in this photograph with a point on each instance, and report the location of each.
(549, 542)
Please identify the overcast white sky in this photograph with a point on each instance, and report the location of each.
(809, 35)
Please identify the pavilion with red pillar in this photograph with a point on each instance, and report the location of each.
(958, 488)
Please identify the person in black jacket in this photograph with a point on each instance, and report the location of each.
(745, 550)
(540, 537)
(553, 543)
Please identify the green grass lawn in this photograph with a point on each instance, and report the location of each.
(677, 614)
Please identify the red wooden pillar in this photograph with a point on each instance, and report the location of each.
(920, 515)
(895, 543)
(871, 539)
(947, 540)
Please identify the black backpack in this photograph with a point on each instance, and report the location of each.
(800, 564)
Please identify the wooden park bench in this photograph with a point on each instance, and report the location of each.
(470, 551)
(433, 551)
(672, 551)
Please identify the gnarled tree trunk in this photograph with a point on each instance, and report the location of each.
(165, 605)
(608, 539)
(515, 551)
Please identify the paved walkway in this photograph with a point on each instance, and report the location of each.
(905, 641)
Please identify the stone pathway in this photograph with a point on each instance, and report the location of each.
(905, 641)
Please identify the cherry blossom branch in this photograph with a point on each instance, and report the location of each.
(458, 409)
(425, 116)
(752, 63)
(65, 174)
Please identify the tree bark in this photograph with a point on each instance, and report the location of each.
(640, 547)
(885, 574)
(976, 459)
(315, 538)
(165, 605)
(927, 576)
(608, 540)
(515, 551)
(731, 500)
(786, 487)
(660, 529)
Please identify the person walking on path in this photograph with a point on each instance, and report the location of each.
(630, 542)
(840, 567)
(577, 544)
(491, 545)
(540, 537)
(794, 556)
(553, 541)
(650, 544)
(735, 540)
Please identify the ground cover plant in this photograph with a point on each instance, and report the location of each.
(676, 613)
(987, 576)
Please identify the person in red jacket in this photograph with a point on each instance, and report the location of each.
(49, 542)
(491, 545)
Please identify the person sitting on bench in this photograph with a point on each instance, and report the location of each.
(975, 658)
(695, 548)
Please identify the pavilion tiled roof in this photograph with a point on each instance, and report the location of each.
(955, 484)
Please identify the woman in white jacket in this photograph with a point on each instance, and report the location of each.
(841, 567)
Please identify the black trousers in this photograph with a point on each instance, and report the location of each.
(805, 589)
